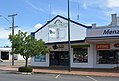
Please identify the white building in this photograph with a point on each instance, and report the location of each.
(91, 46)
(5, 54)
(105, 44)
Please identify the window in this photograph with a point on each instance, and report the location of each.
(106, 57)
(80, 55)
(40, 58)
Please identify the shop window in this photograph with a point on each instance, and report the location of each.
(40, 58)
(106, 57)
(80, 55)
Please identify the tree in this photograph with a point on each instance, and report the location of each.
(27, 46)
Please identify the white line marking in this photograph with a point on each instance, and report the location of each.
(57, 76)
(91, 78)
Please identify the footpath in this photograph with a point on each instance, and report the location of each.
(81, 72)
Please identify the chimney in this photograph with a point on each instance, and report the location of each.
(114, 20)
(94, 25)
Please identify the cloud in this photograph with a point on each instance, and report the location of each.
(4, 33)
(106, 7)
(35, 7)
(74, 1)
(94, 3)
(4, 36)
(111, 7)
(59, 12)
(85, 6)
(4, 42)
(113, 3)
(38, 26)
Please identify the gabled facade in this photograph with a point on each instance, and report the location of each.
(55, 35)
(56, 30)
(91, 46)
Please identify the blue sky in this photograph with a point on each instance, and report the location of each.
(34, 13)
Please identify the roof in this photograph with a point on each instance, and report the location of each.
(102, 37)
(66, 42)
(62, 18)
(5, 49)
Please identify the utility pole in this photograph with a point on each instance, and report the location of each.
(69, 44)
(12, 34)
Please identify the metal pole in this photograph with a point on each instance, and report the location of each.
(69, 37)
(12, 34)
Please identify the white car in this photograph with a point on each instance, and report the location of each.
(1, 60)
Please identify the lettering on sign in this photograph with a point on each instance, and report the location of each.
(102, 46)
(105, 32)
(116, 45)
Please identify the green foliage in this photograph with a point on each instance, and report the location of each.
(27, 45)
(25, 69)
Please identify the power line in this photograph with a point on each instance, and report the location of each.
(5, 19)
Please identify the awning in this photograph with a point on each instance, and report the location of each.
(106, 39)
(79, 46)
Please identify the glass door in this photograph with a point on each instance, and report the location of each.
(117, 58)
(59, 58)
(63, 58)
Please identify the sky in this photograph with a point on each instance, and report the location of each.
(32, 14)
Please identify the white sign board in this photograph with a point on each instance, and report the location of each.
(105, 31)
(57, 29)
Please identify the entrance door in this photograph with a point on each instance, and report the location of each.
(59, 58)
(117, 55)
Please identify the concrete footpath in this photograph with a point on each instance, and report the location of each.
(57, 70)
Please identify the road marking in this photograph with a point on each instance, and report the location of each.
(57, 76)
(91, 78)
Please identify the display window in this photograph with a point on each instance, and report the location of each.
(40, 58)
(107, 57)
(80, 55)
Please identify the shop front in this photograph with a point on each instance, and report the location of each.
(91, 46)
(108, 54)
(79, 55)
(105, 41)
(55, 35)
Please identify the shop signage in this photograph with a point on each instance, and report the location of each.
(116, 45)
(105, 32)
(52, 33)
(57, 30)
(61, 46)
(102, 46)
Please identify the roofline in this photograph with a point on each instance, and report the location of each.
(63, 18)
(102, 37)
(66, 42)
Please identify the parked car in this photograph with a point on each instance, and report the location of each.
(1, 60)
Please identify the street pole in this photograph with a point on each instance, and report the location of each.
(12, 34)
(69, 46)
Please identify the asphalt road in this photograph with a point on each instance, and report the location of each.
(12, 76)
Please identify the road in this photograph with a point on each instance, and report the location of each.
(12, 76)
